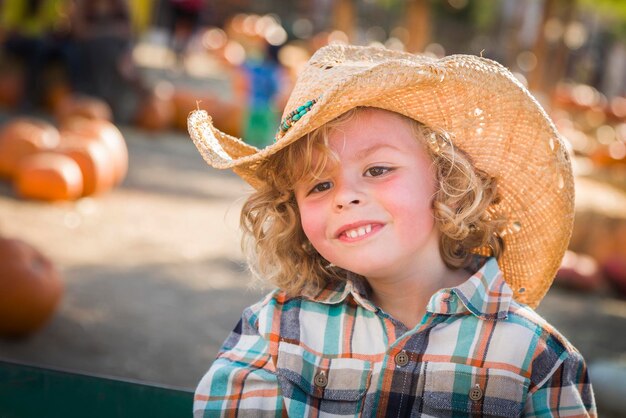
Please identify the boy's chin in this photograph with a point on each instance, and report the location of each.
(367, 271)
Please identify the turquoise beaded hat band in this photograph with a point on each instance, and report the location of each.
(294, 116)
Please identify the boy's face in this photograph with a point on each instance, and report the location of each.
(371, 213)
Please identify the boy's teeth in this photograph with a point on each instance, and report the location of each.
(359, 232)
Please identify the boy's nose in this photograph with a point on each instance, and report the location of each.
(347, 195)
(341, 205)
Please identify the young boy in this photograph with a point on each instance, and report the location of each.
(411, 213)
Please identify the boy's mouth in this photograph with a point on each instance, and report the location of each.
(358, 231)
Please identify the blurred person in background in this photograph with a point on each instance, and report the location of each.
(263, 73)
(103, 31)
(184, 21)
(36, 32)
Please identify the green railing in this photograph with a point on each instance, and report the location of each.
(29, 391)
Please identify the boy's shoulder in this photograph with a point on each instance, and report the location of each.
(333, 292)
(272, 304)
(277, 300)
(543, 333)
(547, 349)
(279, 306)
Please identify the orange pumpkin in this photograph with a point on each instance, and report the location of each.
(30, 288)
(579, 272)
(106, 133)
(155, 114)
(228, 117)
(49, 176)
(21, 137)
(85, 106)
(11, 87)
(614, 269)
(94, 160)
(184, 103)
(56, 94)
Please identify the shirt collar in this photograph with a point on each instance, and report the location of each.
(485, 294)
(337, 291)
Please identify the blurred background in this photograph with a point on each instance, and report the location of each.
(119, 247)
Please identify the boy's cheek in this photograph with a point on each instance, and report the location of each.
(410, 211)
(312, 226)
(414, 194)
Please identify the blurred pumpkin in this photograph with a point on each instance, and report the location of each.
(603, 157)
(21, 137)
(30, 288)
(85, 106)
(56, 94)
(155, 114)
(94, 160)
(106, 133)
(184, 102)
(614, 269)
(11, 87)
(49, 176)
(579, 272)
(226, 116)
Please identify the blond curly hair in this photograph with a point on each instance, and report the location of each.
(278, 250)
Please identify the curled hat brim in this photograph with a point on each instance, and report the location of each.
(477, 102)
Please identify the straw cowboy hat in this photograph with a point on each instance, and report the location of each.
(479, 103)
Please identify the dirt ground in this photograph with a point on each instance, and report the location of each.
(155, 278)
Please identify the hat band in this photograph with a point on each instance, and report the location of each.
(294, 116)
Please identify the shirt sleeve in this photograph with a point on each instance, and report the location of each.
(242, 381)
(567, 392)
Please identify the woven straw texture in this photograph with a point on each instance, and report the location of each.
(483, 108)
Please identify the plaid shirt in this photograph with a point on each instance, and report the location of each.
(477, 352)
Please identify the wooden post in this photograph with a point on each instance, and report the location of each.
(344, 17)
(535, 78)
(418, 18)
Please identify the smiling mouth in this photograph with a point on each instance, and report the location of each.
(359, 232)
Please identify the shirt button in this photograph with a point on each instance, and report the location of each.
(320, 380)
(402, 359)
(476, 393)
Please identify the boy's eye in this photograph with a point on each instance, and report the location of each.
(321, 187)
(377, 171)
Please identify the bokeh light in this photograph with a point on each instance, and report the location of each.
(302, 28)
